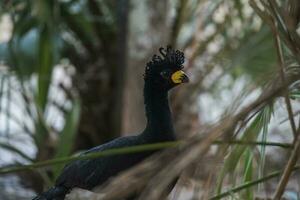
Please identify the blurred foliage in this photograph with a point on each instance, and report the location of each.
(82, 39)
(45, 32)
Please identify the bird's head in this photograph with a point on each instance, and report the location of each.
(165, 71)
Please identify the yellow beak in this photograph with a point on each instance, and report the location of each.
(179, 77)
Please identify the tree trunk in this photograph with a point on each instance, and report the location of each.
(146, 35)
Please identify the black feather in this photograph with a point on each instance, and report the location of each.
(88, 174)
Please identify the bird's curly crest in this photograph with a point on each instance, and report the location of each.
(169, 58)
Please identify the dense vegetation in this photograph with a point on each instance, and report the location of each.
(71, 78)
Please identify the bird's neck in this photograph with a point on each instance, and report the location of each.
(159, 119)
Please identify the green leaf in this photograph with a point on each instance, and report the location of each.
(46, 49)
(250, 134)
(266, 117)
(46, 62)
(294, 94)
(68, 134)
(250, 184)
(2, 80)
(248, 172)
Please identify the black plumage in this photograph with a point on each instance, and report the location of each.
(161, 74)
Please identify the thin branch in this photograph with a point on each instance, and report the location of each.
(261, 13)
(250, 184)
(266, 17)
(285, 33)
(126, 150)
(109, 152)
(277, 19)
(254, 143)
(288, 170)
(282, 76)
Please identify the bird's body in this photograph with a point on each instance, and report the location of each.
(87, 174)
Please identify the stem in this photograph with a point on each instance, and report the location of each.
(294, 156)
(250, 184)
(282, 76)
(287, 171)
(254, 143)
(109, 152)
(126, 150)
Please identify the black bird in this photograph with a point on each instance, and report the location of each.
(162, 73)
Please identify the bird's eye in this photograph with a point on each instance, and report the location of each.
(165, 74)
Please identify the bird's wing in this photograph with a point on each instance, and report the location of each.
(89, 173)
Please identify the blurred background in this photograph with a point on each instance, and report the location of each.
(71, 77)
